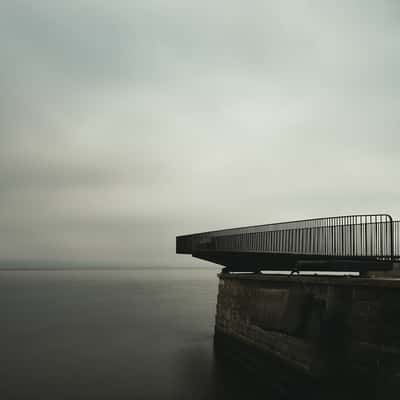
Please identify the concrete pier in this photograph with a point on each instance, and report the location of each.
(321, 328)
(334, 330)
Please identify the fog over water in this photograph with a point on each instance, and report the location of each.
(125, 123)
(138, 334)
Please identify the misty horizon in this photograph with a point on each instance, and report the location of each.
(125, 124)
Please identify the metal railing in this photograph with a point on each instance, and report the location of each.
(372, 236)
(396, 240)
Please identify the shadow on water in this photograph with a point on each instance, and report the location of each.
(221, 379)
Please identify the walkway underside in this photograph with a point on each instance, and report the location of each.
(253, 262)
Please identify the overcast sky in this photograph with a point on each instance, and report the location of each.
(124, 123)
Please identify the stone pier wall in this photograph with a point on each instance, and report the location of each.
(318, 326)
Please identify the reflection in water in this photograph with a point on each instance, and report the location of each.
(130, 334)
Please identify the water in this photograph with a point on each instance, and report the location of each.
(110, 334)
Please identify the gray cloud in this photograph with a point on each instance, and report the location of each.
(125, 123)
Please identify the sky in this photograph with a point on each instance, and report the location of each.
(126, 123)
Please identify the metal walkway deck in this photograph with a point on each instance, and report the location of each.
(345, 243)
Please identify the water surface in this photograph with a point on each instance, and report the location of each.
(110, 334)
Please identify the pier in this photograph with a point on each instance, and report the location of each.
(320, 327)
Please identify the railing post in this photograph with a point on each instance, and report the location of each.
(391, 238)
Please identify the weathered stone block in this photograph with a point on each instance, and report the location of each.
(332, 325)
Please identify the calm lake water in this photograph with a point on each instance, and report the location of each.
(111, 334)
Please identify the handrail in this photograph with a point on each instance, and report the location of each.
(366, 235)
